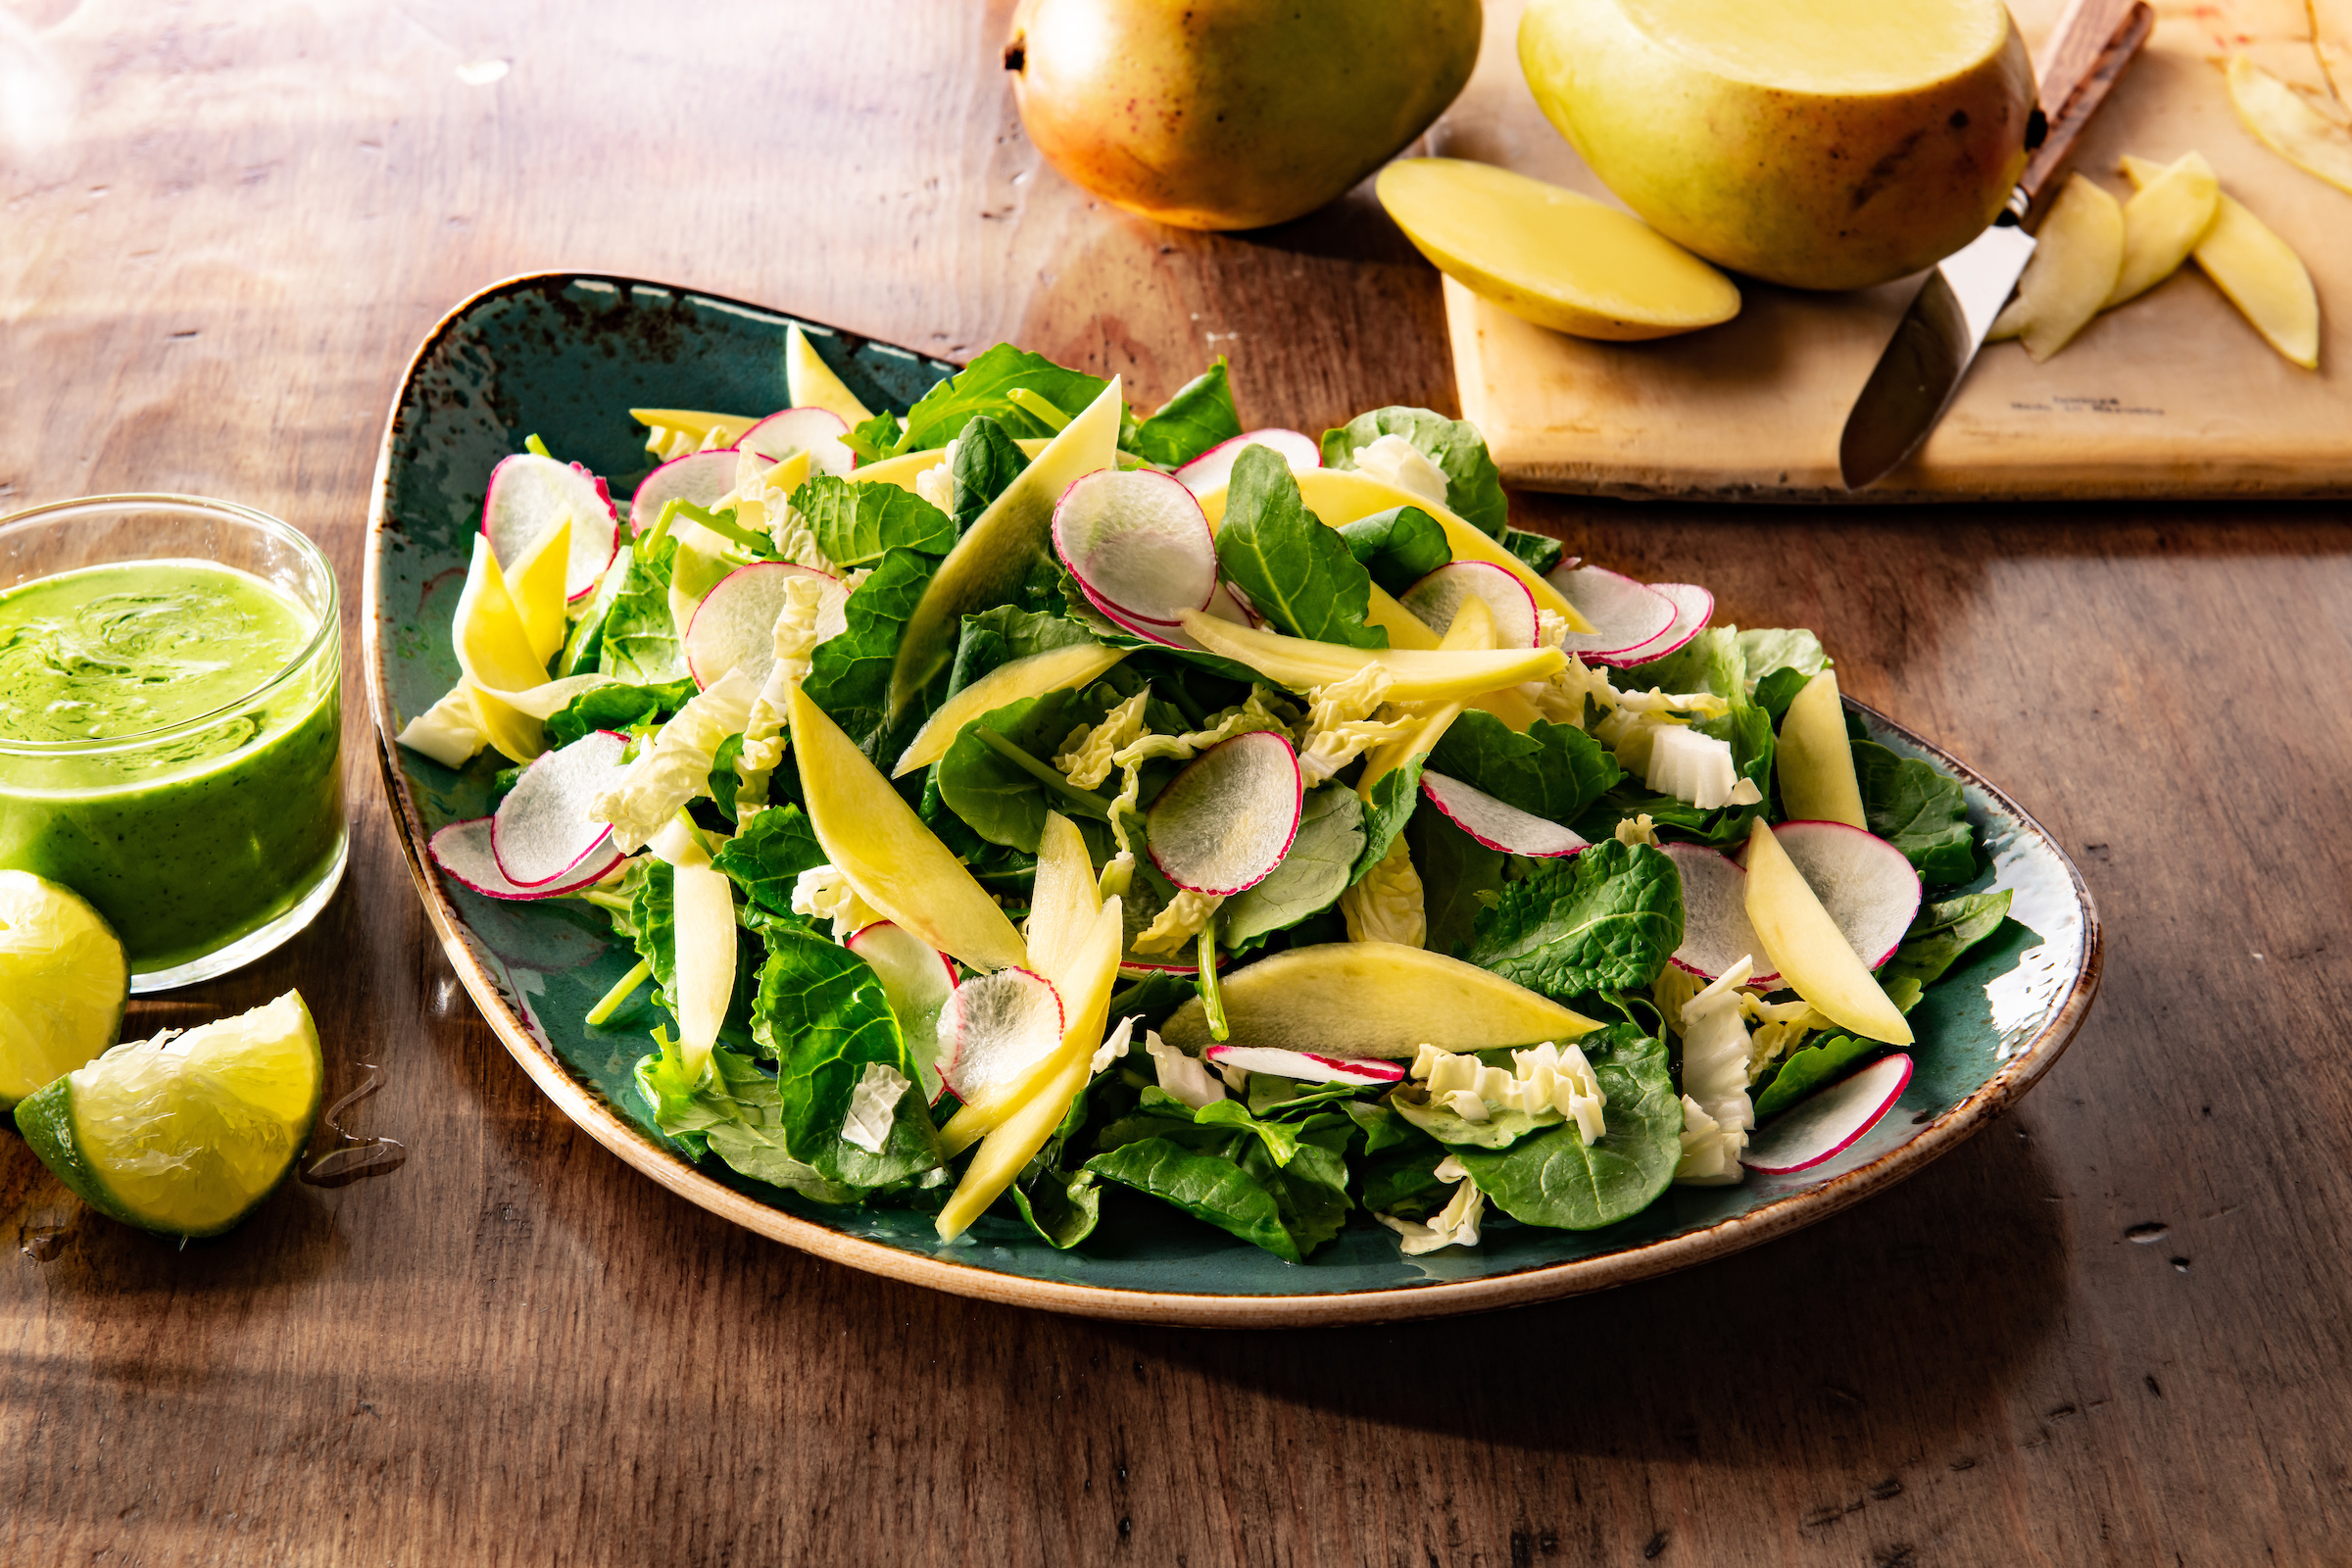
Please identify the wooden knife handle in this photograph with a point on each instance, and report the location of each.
(2093, 43)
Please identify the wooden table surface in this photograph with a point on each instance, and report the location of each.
(2112, 1329)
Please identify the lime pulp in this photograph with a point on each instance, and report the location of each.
(64, 978)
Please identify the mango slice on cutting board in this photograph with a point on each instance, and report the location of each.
(2077, 258)
(2162, 224)
(2289, 127)
(2259, 272)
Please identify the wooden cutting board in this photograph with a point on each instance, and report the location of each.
(2172, 395)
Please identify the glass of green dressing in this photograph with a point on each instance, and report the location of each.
(171, 723)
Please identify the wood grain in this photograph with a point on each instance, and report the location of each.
(516, 1350)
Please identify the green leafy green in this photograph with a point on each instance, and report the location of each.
(1403, 1182)
(1399, 547)
(768, 857)
(875, 439)
(735, 1114)
(1553, 772)
(1062, 1207)
(1555, 1179)
(1917, 810)
(1454, 869)
(653, 929)
(857, 522)
(1808, 1069)
(619, 706)
(1776, 690)
(986, 460)
(1299, 574)
(1220, 1164)
(1473, 485)
(1539, 551)
(1199, 417)
(999, 636)
(640, 640)
(823, 1015)
(981, 387)
(1604, 919)
(1316, 871)
(849, 674)
(1500, 1129)
(995, 794)
(1712, 662)
(1941, 932)
(1388, 807)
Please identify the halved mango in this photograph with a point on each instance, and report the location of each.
(1376, 999)
(1418, 675)
(1053, 670)
(2259, 272)
(1805, 945)
(1815, 759)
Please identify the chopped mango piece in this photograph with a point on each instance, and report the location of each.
(2259, 272)
(1815, 759)
(1375, 998)
(1418, 675)
(1053, 670)
(674, 432)
(2077, 258)
(1812, 956)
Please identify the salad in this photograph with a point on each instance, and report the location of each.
(1014, 800)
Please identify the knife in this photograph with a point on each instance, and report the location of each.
(1939, 334)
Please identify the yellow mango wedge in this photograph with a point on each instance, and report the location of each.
(494, 649)
(1805, 945)
(1009, 1149)
(1053, 670)
(1815, 759)
(2258, 272)
(1472, 631)
(2077, 256)
(2162, 224)
(1089, 971)
(1560, 260)
(674, 432)
(1063, 903)
(1418, 675)
(706, 949)
(812, 384)
(902, 471)
(537, 586)
(1404, 629)
(897, 865)
(2289, 127)
(1376, 999)
(997, 550)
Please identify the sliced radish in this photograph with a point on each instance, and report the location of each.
(1495, 824)
(1435, 598)
(1865, 883)
(734, 627)
(1228, 603)
(1693, 607)
(705, 479)
(815, 431)
(462, 850)
(1625, 614)
(1137, 544)
(917, 979)
(530, 494)
(1716, 933)
(1225, 822)
(542, 831)
(1827, 1122)
(1305, 1066)
(1212, 468)
(994, 1028)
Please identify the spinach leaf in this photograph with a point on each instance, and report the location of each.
(1062, 1207)
(857, 522)
(877, 438)
(722, 781)
(999, 636)
(1808, 1069)
(1539, 551)
(1553, 772)
(1554, 1179)
(1941, 932)
(1473, 486)
(986, 460)
(1199, 417)
(1383, 1128)
(981, 389)
(1388, 807)
(849, 673)
(1917, 810)
(619, 706)
(768, 857)
(1399, 547)
(737, 1117)
(1316, 871)
(1152, 999)
(1403, 1182)
(1219, 1166)
(1454, 869)
(1005, 797)
(823, 1015)
(640, 640)
(1299, 574)
(1604, 919)
(1776, 690)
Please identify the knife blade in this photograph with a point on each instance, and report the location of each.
(1924, 364)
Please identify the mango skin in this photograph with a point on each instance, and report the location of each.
(1794, 187)
(1233, 114)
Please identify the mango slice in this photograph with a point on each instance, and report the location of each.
(812, 384)
(2289, 127)
(674, 432)
(1404, 629)
(1805, 945)
(897, 865)
(2259, 272)
(1003, 544)
(537, 585)
(1815, 759)
(1419, 677)
(2077, 258)
(706, 947)
(1472, 631)
(1376, 999)
(1063, 902)
(1560, 260)
(900, 471)
(2162, 224)
(1053, 670)
(494, 649)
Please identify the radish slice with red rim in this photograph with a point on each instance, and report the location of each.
(1151, 631)
(734, 627)
(1211, 470)
(1715, 931)
(815, 431)
(1225, 822)
(530, 494)
(1694, 607)
(462, 850)
(542, 832)
(1436, 596)
(703, 479)
(1498, 825)
(1138, 543)
(1228, 603)
(1626, 616)
(1866, 884)
(997, 1027)
(1305, 1066)
(1829, 1121)
(917, 979)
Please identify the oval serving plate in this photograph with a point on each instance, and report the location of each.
(565, 355)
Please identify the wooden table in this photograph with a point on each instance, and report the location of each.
(2113, 1329)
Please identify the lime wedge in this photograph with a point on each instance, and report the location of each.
(184, 1134)
(64, 978)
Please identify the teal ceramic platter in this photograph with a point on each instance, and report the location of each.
(565, 356)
